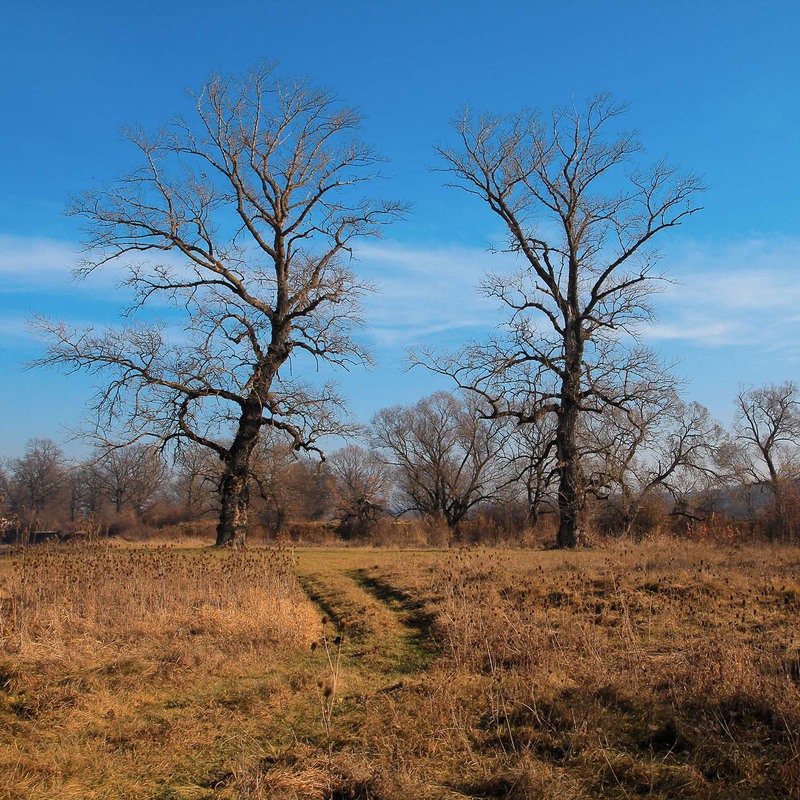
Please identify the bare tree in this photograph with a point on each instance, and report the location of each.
(531, 455)
(130, 477)
(290, 488)
(242, 218)
(196, 481)
(445, 456)
(767, 431)
(273, 469)
(37, 482)
(656, 445)
(363, 483)
(86, 494)
(583, 233)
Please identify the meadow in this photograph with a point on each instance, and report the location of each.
(664, 669)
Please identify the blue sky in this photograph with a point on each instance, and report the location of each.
(711, 85)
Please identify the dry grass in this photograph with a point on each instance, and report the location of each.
(96, 593)
(658, 670)
(650, 670)
(122, 671)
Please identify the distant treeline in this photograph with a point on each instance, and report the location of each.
(438, 470)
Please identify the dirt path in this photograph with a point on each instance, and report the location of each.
(385, 632)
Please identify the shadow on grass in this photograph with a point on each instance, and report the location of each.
(410, 610)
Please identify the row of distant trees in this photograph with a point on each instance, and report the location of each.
(442, 463)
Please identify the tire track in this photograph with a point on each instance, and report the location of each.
(384, 629)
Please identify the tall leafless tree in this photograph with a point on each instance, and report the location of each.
(581, 217)
(289, 488)
(243, 218)
(37, 482)
(86, 490)
(362, 483)
(130, 477)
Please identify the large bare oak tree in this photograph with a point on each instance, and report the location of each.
(243, 218)
(581, 216)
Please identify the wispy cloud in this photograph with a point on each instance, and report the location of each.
(39, 264)
(27, 262)
(424, 291)
(742, 292)
(14, 328)
(30, 264)
(745, 292)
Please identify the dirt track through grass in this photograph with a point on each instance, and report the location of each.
(385, 631)
(650, 670)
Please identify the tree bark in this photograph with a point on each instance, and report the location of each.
(571, 489)
(532, 511)
(235, 486)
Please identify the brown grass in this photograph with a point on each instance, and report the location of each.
(642, 670)
(124, 669)
(664, 669)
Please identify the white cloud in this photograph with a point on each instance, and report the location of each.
(13, 327)
(30, 264)
(25, 262)
(712, 333)
(745, 292)
(426, 291)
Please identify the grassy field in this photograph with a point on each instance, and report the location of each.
(666, 670)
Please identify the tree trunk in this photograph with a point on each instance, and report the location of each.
(235, 500)
(629, 510)
(235, 486)
(571, 489)
(281, 516)
(571, 495)
(535, 493)
(780, 528)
